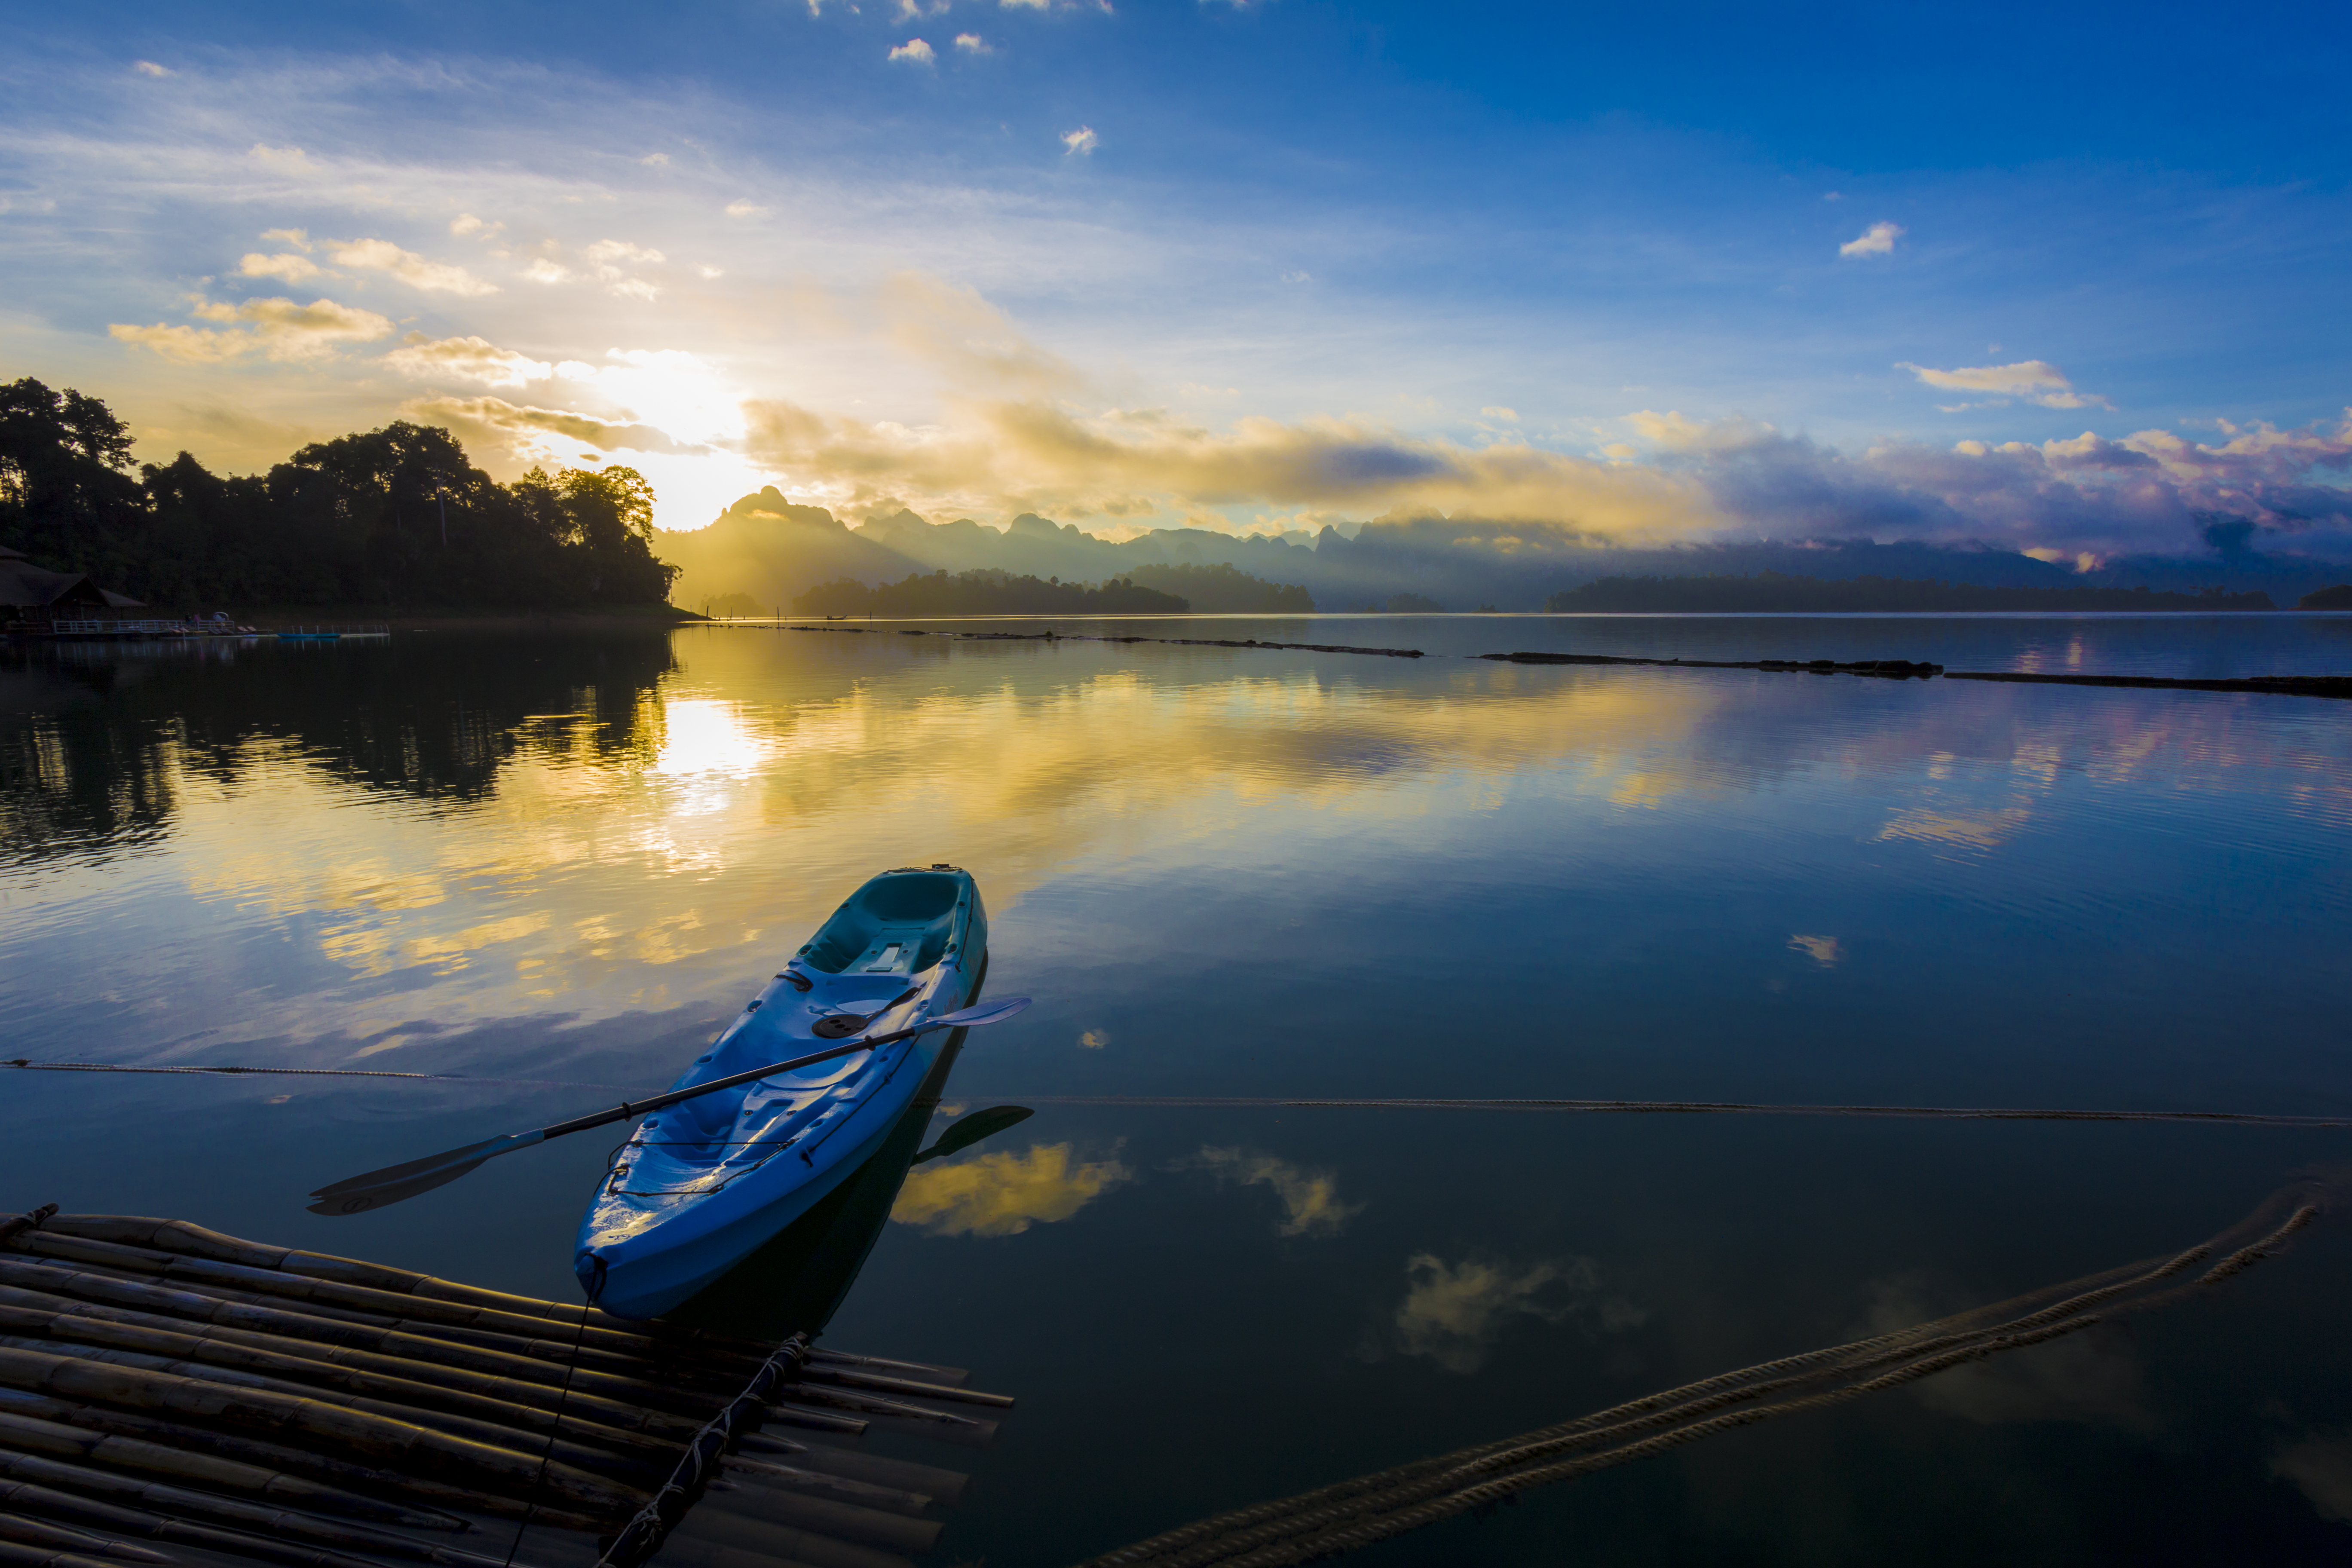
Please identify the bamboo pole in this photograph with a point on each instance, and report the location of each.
(357, 1478)
(922, 1372)
(195, 1241)
(436, 1454)
(56, 1504)
(685, 1378)
(853, 1377)
(17, 1554)
(176, 1267)
(873, 1404)
(30, 1434)
(486, 1420)
(388, 1336)
(91, 1322)
(33, 1533)
(179, 1503)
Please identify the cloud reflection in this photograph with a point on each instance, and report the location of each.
(1452, 1313)
(1310, 1199)
(1004, 1193)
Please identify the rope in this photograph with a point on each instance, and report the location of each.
(1327, 1103)
(1351, 1514)
(301, 1072)
(555, 1427)
(1669, 1108)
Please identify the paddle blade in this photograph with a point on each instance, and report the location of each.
(376, 1189)
(975, 1018)
(980, 1124)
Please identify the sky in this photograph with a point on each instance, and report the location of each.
(2066, 278)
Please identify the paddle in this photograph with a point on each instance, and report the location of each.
(980, 1124)
(356, 1194)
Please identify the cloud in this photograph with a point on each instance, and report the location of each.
(1497, 411)
(432, 276)
(606, 258)
(527, 429)
(915, 52)
(269, 154)
(916, 10)
(297, 237)
(2034, 379)
(1310, 1200)
(972, 44)
(1079, 144)
(1003, 1194)
(149, 67)
(544, 270)
(470, 359)
(745, 209)
(655, 160)
(1452, 1313)
(1878, 240)
(280, 329)
(286, 269)
(2151, 490)
(465, 223)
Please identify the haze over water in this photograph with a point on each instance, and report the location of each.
(1253, 873)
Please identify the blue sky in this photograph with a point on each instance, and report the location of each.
(2066, 278)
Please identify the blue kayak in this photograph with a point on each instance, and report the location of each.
(699, 1185)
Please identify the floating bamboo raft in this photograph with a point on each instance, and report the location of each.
(168, 1394)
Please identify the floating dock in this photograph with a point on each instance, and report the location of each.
(170, 1395)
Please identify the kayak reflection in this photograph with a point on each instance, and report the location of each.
(798, 1279)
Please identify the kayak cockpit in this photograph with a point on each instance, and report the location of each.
(902, 923)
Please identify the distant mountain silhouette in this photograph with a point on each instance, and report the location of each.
(1774, 593)
(772, 551)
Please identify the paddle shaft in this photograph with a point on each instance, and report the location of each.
(629, 1108)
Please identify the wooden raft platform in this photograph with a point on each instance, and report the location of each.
(172, 1394)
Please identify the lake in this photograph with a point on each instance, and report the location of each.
(557, 864)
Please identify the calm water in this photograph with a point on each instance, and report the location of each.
(1252, 873)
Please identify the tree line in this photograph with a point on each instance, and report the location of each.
(390, 516)
(986, 592)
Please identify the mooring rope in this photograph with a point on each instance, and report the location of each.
(1340, 1518)
(30, 1066)
(1331, 1102)
(1663, 1108)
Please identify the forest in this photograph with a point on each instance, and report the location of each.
(986, 593)
(395, 516)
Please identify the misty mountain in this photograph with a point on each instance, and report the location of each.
(774, 550)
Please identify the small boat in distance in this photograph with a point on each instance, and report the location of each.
(701, 1184)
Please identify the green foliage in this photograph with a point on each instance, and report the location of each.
(396, 515)
(2338, 598)
(1770, 592)
(1225, 589)
(985, 592)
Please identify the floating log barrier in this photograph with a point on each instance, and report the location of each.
(1051, 637)
(169, 1385)
(2337, 686)
(1352, 1514)
(1883, 668)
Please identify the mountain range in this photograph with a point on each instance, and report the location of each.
(771, 549)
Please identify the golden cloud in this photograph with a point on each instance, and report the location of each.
(280, 329)
(1037, 454)
(1003, 1194)
(470, 358)
(434, 276)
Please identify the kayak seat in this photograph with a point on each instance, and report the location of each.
(892, 950)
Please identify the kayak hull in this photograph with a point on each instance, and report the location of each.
(701, 1186)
